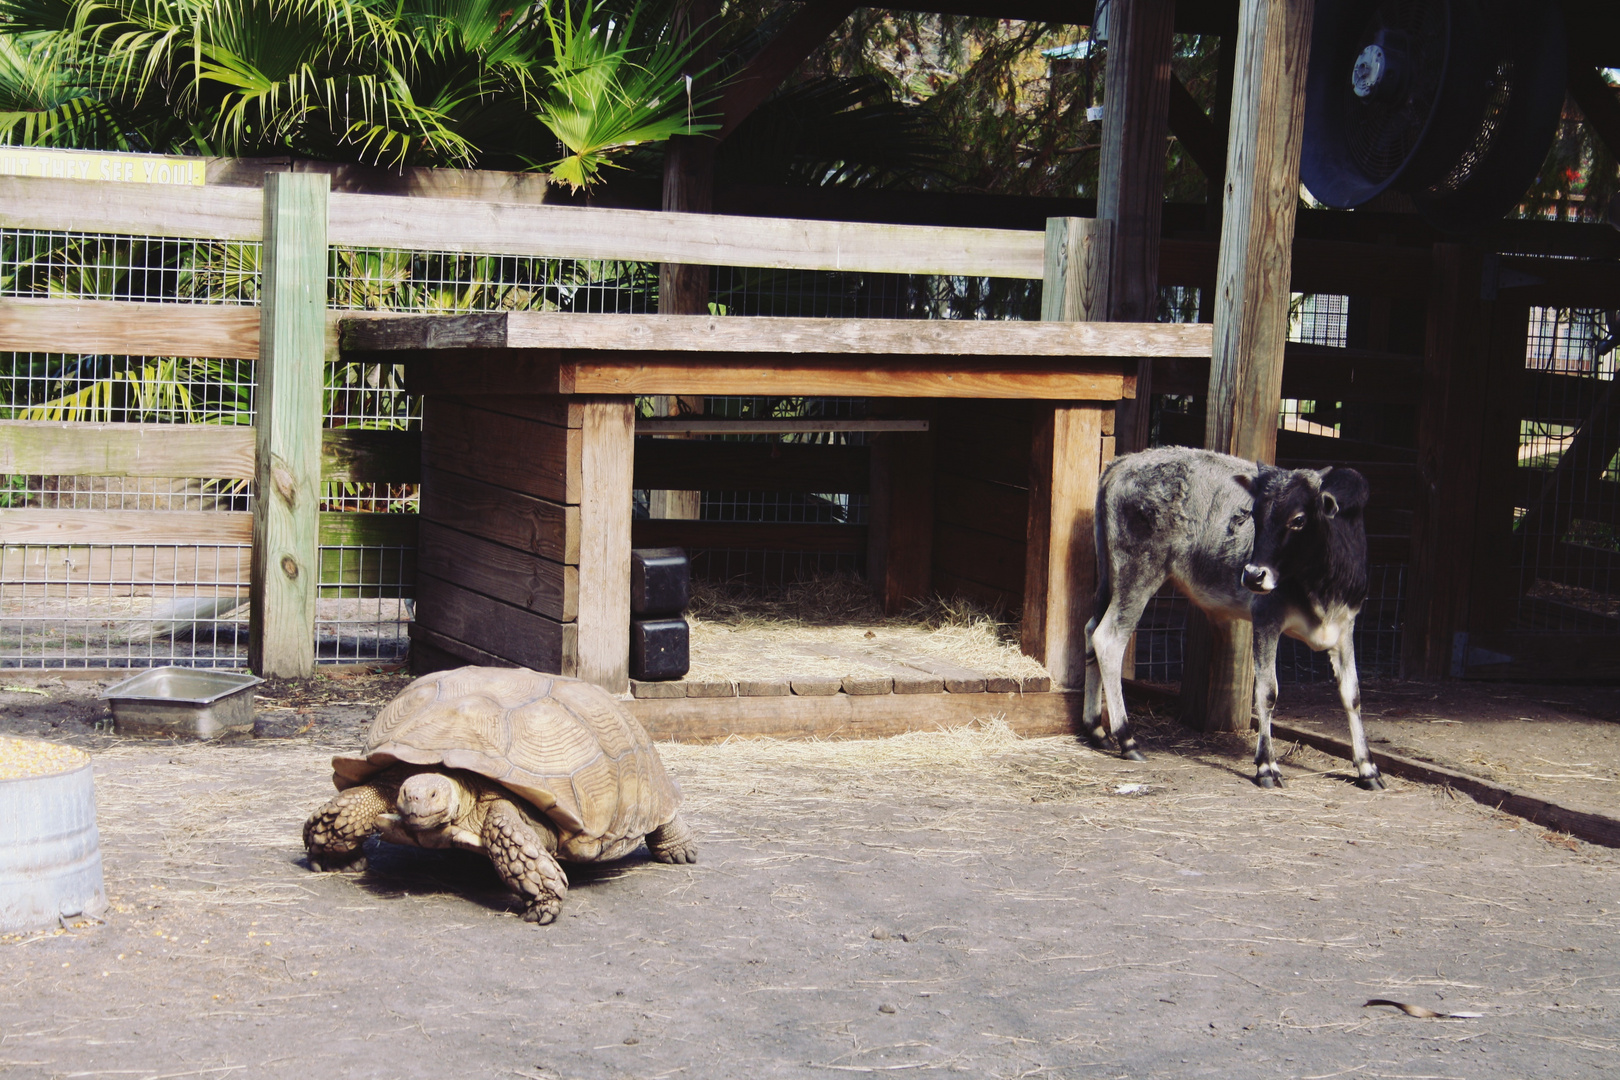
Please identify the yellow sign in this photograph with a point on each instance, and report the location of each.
(96, 165)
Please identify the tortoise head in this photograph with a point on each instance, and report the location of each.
(430, 800)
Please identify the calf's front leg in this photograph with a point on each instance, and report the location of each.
(1265, 699)
(1343, 656)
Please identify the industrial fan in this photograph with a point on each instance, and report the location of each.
(1454, 102)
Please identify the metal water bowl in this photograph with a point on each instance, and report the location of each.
(50, 852)
(169, 701)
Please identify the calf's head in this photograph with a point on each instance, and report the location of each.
(1307, 524)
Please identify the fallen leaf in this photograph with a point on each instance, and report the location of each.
(1421, 1013)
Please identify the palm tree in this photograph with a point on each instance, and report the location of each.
(394, 82)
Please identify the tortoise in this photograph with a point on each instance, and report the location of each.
(528, 768)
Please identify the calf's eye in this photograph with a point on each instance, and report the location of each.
(1297, 522)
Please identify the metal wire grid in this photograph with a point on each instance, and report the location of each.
(103, 266)
(1162, 634)
(1568, 540)
(1315, 319)
(380, 279)
(119, 606)
(367, 621)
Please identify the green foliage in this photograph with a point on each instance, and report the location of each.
(389, 82)
(1580, 176)
(604, 94)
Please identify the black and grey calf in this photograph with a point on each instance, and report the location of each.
(1284, 549)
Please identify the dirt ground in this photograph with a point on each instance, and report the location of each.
(963, 903)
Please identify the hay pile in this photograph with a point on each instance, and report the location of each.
(832, 627)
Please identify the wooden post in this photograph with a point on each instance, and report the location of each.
(1450, 439)
(290, 404)
(607, 456)
(1496, 582)
(1130, 186)
(1070, 444)
(900, 517)
(1251, 308)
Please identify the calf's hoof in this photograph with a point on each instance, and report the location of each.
(1268, 780)
(1133, 754)
(1097, 740)
(1373, 782)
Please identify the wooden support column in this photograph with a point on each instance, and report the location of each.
(1130, 187)
(1071, 443)
(683, 289)
(607, 456)
(1497, 584)
(1251, 309)
(1450, 438)
(900, 518)
(292, 354)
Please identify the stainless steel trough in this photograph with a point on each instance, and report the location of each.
(169, 701)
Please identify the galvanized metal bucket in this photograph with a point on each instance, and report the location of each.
(169, 701)
(50, 852)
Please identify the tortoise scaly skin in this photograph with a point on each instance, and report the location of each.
(530, 769)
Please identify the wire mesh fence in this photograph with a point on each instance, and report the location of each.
(1567, 533)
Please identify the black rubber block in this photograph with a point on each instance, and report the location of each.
(660, 582)
(659, 649)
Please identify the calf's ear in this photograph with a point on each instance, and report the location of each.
(1346, 489)
(1329, 505)
(1246, 482)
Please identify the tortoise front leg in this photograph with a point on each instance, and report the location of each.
(521, 858)
(673, 842)
(333, 835)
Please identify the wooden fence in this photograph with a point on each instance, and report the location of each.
(287, 455)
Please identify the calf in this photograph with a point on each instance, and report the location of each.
(1286, 550)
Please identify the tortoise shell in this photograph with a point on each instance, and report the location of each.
(566, 747)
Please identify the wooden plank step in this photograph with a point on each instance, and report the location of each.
(851, 716)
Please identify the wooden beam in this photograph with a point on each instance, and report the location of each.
(1197, 133)
(140, 527)
(76, 448)
(900, 532)
(653, 236)
(496, 570)
(849, 716)
(1450, 436)
(769, 68)
(1251, 310)
(606, 455)
(288, 424)
(125, 328)
(700, 425)
(750, 535)
(370, 456)
(92, 206)
(607, 334)
(681, 464)
(1070, 444)
(1130, 184)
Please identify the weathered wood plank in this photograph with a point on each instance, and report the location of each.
(119, 327)
(288, 424)
(539, 526)
(606, 457)
(370, 456)
(693, 465)
(972, 554)
(1060, 567)
(998, 509)
(704, 239)
(845, 716)
(517, 636)
(550, 409)
(900, 531)
(503, 573)
(872, 376)
(125, 565)
(522, 455)
(181, 527)
(91, 206)
(202, 451)
(357, 529)
(432, 651)
(608, 333)
(1314, 373)
(749, 535)
(710, 425)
